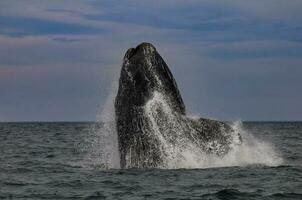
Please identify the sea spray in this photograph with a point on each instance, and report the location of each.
(252, 151)
(176, 151)
(102, 142)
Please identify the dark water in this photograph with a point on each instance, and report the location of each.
(47, 161)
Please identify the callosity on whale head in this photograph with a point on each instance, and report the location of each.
(150, 115)
(143, 72)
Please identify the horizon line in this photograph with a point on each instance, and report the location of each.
(89, 121)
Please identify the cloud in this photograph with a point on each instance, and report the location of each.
(33, 26)
(240, 59)
(272, 9)
(256, 49)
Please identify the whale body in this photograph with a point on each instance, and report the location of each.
(151, 120)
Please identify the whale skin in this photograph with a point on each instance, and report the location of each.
(150, 115)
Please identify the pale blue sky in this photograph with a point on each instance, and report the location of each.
(232, 59)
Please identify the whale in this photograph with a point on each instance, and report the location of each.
(152, 125)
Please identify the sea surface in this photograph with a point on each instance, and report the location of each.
(54, 161)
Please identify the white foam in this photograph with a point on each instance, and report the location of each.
(180, 152)
(251, 152)
(102, 143)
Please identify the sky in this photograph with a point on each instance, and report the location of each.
(232, 60)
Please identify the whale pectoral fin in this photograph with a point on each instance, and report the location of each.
(214, 136)
(208, 126)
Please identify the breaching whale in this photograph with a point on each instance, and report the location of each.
(151, 120)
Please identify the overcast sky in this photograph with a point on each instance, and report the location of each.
(232, 59)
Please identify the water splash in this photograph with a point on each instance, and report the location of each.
(177, 151)
(251, 152)
(180, 152)
(102, 142)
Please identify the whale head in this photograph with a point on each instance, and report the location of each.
(143, 72)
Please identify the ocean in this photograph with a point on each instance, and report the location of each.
(60, 160)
